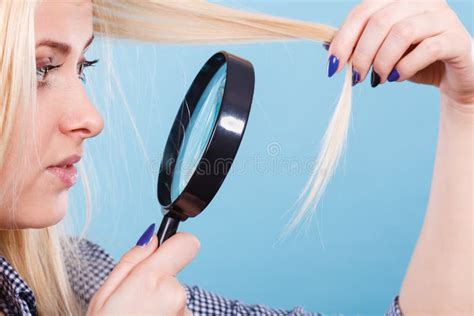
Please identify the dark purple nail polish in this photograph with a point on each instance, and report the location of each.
(374, 79)
(146, 236)
(393, 76)
(355, 77)
(332, 65)
(326, 45)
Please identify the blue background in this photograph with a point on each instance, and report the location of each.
(353, 258)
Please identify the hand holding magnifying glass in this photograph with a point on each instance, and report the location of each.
(204, 139)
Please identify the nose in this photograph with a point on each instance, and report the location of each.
(81, 120)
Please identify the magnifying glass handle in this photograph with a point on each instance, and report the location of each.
(168, 228)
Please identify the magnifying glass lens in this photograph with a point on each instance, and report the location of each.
(199, 131)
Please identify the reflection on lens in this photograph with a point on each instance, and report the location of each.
(198, 132)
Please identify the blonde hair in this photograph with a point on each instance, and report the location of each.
(37, 254)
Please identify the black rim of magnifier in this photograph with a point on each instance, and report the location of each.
(222, 146)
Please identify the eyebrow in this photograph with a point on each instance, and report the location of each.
(63, 48)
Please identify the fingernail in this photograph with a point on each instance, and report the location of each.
(374, 79)
(393, 76)
(326, 45)
(147, 236)
(332, 65)
(355, 77)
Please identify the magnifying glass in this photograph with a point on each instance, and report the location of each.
(204, 139)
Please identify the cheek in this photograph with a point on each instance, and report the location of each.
(45, 199)
(47, 127)
(41, 203)
(40, 200)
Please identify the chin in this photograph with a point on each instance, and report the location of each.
(43, 213)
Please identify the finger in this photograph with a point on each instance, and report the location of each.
(123, 268)
(172, 296)
(403, 34)
(426, 53)
(164, 296)
(346, 37)
(172, 256)
(376, 31)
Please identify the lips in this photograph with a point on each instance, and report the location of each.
(68, 161)
(65, 170)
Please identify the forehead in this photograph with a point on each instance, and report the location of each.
(64, 20)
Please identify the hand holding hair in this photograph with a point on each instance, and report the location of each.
(420, 41)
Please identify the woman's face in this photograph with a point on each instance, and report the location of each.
(65, 117)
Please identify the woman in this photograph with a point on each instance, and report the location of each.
(43, 134)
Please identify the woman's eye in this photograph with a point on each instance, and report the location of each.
(82, 66)
(42, 72)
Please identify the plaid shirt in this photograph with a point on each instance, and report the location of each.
(16, 298)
